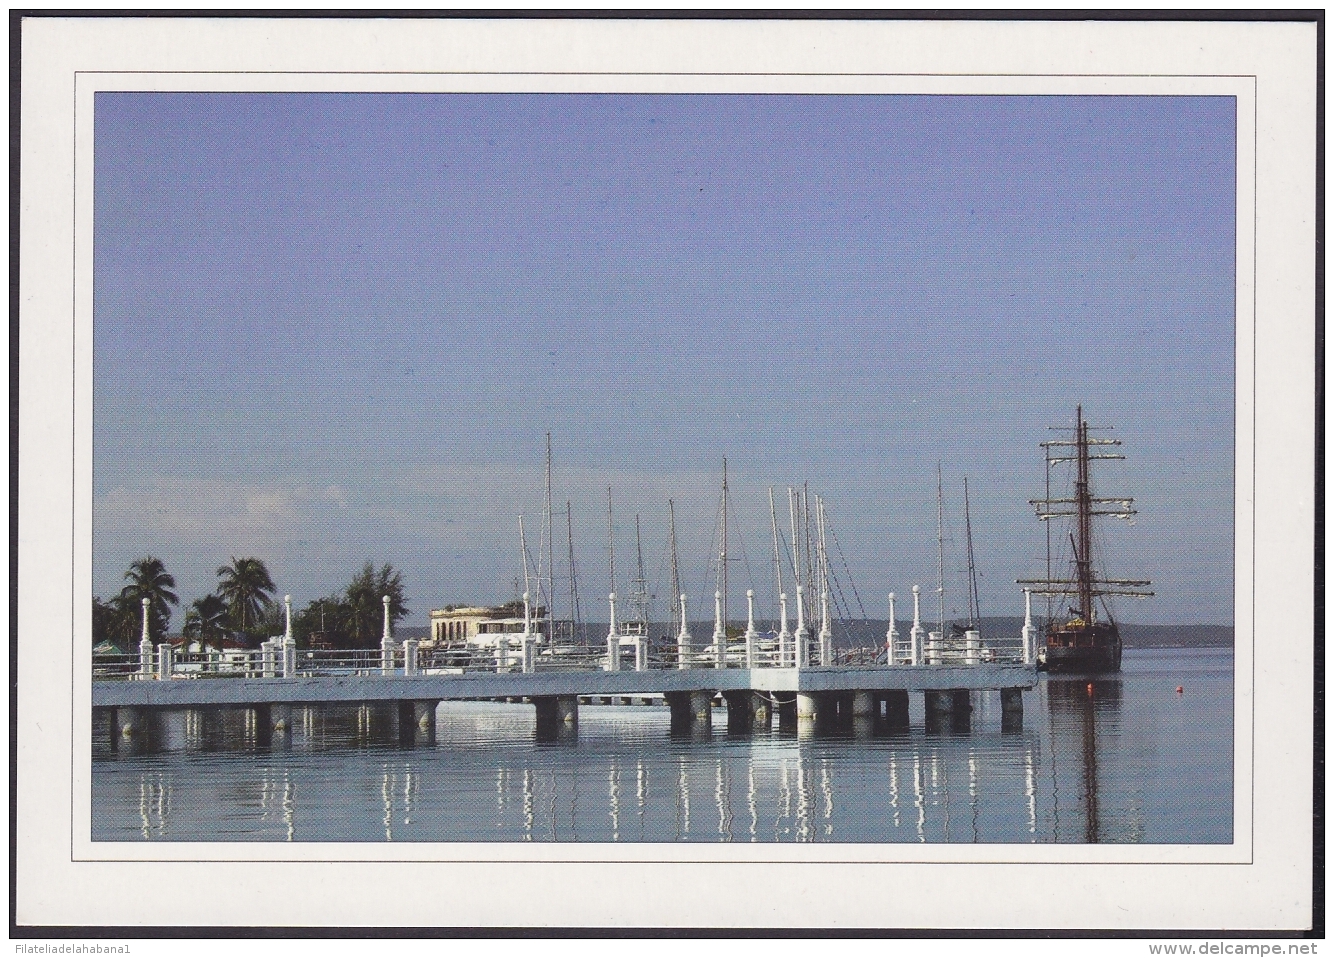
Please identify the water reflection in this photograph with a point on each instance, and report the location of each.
(1085, 715)
(1079, 771)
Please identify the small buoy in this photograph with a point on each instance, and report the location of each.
(1090, 688)
(1180, 690)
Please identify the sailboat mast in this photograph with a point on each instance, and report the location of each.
(1084, 507)
(792, 518)
(676, 571)
(641, 583)
(972, 569)
(548, 532)
(611, 543)
(523, 547)
(722, 557)
(575, 617)
(778, 559)
(940, 548)
(806, 518)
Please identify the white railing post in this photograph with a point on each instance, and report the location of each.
(803, 638)
(1029, 654)
(826, 634)
(972, 643)
(683, 640)
(409, 656)
(719, 633)
(752, 637)
(529, 656)
(289, 643)
(915, 635)
(613, 639)
(641, 653)
(891, 636)
(386, 643)
(145, 645)
(164, 661)
(784, 636)
(502, 652)
(268, 658)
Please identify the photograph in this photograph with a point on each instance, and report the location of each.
(733, 473)
(385, 385)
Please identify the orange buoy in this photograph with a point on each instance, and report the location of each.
(1090, 688)
(1180, 690)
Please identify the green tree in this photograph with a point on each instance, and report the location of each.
(206, 620)
(327, 617)
(147, 579)
(247, 588)
(364, 601)
(106, 624)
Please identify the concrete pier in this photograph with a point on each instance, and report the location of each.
(747, 711)
(896, 709)
(392, 707)
(691, 711)
(1012, 710)
(557, 717)
(950, 707)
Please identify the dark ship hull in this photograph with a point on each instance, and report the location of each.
(1076, 647)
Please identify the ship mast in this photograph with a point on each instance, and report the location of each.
(778, 560)
(973, 613)
(574, 580)
(548, 533)
(722, 554)
(676, 572)
(611, 543)
(523, 547)
(940, 549)
(1083, 507)
(640, 593)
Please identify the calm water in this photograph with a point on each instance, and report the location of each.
(1128, 760)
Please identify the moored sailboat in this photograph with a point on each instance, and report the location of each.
(1086, 639)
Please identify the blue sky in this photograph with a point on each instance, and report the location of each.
(331, 328)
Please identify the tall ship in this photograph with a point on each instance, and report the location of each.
(1084, 636)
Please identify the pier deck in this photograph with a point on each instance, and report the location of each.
(301, 690)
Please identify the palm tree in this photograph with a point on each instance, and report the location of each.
(247, 588)
(148, 579)
(206, 620)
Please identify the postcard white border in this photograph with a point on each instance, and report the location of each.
(1269, 67)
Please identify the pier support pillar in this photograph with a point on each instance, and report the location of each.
(939, 706)
(280, 724)
(258, 724)
(809, 708)
(961, 710)
(1012, 710)
(691, 711)
(738, 711)
(131, 728)
(896, 709)
(863, 705)
(423, 713)
(407, 722)
(787, 713)
(761, 710)
(557, 717)
(864, 713)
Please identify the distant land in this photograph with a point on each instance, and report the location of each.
(863, 632)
